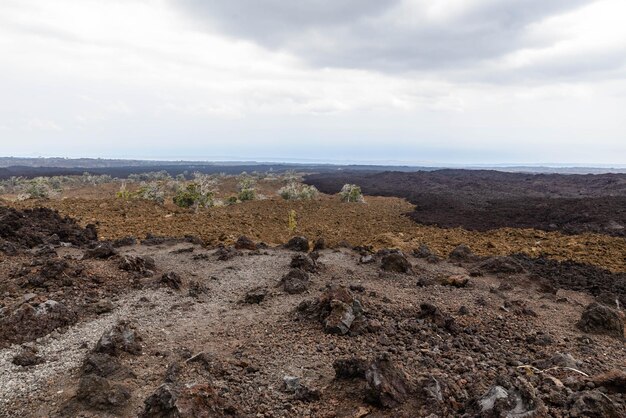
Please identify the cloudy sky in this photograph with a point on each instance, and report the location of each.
(421, 81)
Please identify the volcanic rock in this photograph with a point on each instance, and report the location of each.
(103, 306)
(296, 281)
(518, 400)
(102, 250)
(349, 368)
(53, 268)
(600, 319)
(387, 384)
(226, 253)
(27, 357)
(298, 244)
(508, 265)
(613, 380)
(196, 289)
(143, 265)
(245, 243)
(100, 393)
(462, 253)
(340, 318)
(396, 262)
(422, 252)
(124, 242)
(593, 403)
(104, 365)
(442, 320)
(256, 295)
(171, 280)
(32, 227)
(30, 321)
(122, 337)
(320, 244)
(303, 262)
(198, 400)
(456, 280)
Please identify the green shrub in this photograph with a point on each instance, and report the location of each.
(124, 193)
(192, 196)
(246, 188)
(351, 193)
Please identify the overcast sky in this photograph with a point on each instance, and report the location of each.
(420, 81)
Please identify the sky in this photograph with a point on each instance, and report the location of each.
(406, 81)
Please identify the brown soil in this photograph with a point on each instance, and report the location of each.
(379, 222)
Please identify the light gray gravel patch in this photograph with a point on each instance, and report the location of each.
(63, 353)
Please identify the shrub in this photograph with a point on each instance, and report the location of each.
(37, 188)
(351, 193)
(192, 196)
(153, 192)
(292, 222)
(295, 191)
(124, 193)
(246, 188)
(94, 179)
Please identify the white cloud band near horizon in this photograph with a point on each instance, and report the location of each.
(446, 81)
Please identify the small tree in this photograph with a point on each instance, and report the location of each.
(351, 193)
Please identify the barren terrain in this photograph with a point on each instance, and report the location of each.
(132, 308)
(486, 200)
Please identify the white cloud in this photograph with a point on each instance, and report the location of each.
(131, 78)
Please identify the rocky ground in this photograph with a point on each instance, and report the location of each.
(171, 327)
(483, 200)
(380, 222)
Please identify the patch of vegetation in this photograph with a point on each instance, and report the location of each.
(152, 192)
(192, 196)
(246, 188)
(150, 176)
(351, 193)
(124, 193)
(38, 188)
(292, 221)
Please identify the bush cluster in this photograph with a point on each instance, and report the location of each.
(297, 191)
(39, 188)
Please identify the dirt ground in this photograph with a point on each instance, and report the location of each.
(203, 347)
(380, 222)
